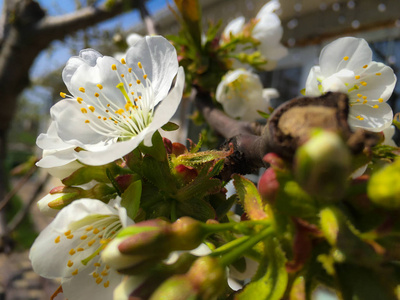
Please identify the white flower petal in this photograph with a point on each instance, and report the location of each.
(373, 119)
(49, 258)
(159, 60)
(312, 83)
(268, 29)
(234, 27)
(269, 8)
(133, 38)
(388, 134)
(344, 53)
(127, 286)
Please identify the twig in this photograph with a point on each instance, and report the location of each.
(19, 217)
(148, 21)
(19, 185)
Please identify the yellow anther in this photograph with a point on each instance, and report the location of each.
(106, 284)
(365, 101)
(130, 70)
(363, 83)
(107, 110)
(357, 77)
(80, 249)
(139, 64)
(132, 93)
(364, 97)
(57, 239)
(380, 100)
(130, 84)
(72, 252)
(79, 99)
(100, 236)
(91, 108)
(84, 237)
(123, 61)
(140, 97)
(70, 264)
(122, 75)
(359, 95)
(365, 66)
(104, 273)
(128, 105)
(119, 111)
(87, 121)
(346, 58)
(104, 118)
(107, 267)
(96, 231)
(358, 100)
(95, 275)
(361, 118)
(378, 74)
(114, 67)
(96, 95)
(90, 243)
(81, 89)
(116, 122)
(84, 110)
(375, 106)
(99, 86)
(68, 232)
(75, 272)
(97, 264)
(70, 237)
(138, 81)
(99, 117)
(145, 76)
(89, 228)
(99, 280)
(63, 94)
(108, 105)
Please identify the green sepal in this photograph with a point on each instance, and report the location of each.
(170, 126)
(131, 198)
(113, 182)
(250, 198)
(272, 285)
(198, 188)
(263, 114)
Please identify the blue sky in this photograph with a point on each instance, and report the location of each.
(46, 62)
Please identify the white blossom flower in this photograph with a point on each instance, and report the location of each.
(58, 157)
(267, 30)
(346, 66)
(70, 245)
(241, 94)
(388, 133)
(116, 105)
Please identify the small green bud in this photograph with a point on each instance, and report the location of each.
(322, 165)
(384, 188)
(177, 287)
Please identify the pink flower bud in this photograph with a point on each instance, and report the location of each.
(268, 186)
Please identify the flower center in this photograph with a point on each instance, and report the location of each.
(89, 237)
(113, 120)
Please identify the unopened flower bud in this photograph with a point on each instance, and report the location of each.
(179, 149)
(384, 188)
(206, 279)
(274, 160)
(322, 165)
(125, 180)
(268, 185)
(185, 173)
(58, 198)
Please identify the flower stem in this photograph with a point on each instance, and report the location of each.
(238, 251)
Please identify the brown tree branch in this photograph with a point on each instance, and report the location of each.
(287, 128)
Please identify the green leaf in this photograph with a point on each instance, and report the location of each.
(113, 182)
(198, 188)
(158, 174)
(170, 126)
(273, 284)
(195, 208)
(358, 282)
(263, 114)
(250, 198)
(131, 198)
(157, 150)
